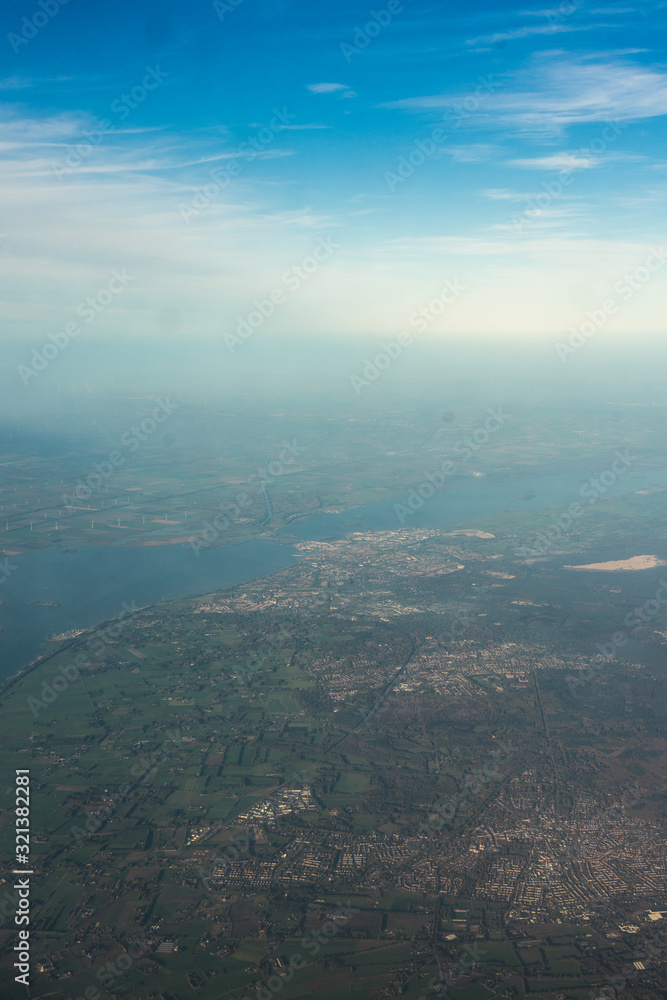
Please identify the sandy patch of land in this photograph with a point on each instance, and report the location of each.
(634, 563)
(443, 570)
(473, 532)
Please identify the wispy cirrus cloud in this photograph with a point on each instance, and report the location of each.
(500, 194)
(304, 128)
(529, 31)
(25, 83)
(556, 91)
(474, 152)
(558, 11)
(341, 89)
(483, 246)
(570, 162)
(15, 83)
(558, 161)
(119, 208)
(326, 88)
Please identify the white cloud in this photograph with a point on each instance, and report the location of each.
(616, 53)
(482, 246)
(23, 83)
(499, 194)
(15, 83)
(503, 194)
(526, 32)
(561, 11)
(557, 91)
(545, 219)
(331, 88)
(558, 161)
(326, 88)
(303, 128)
(478, 152)
(120, 208)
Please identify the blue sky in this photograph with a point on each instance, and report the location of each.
(515, 97)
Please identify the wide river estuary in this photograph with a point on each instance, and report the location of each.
(54, 590)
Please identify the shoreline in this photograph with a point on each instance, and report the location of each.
(24, 671)
(84, 634)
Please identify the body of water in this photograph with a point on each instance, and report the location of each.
(93, 583)
(449, 508)
(90, 584)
